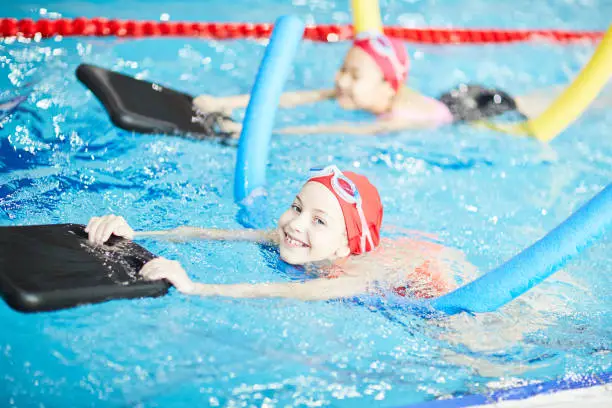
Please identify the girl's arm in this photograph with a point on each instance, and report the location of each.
(187, 233)
(296, 98)
(100, 229)
(317, 289)
(363, 129)
(208, 103)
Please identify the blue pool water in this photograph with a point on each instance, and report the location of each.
(486, 194)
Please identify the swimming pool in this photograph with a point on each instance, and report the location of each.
(484, 193)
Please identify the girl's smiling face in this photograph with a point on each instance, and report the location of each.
(313, 228)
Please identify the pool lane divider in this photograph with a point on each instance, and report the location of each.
(331, 33)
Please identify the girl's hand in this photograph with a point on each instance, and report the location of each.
(100, 229)
(172, 271)
(209, 103)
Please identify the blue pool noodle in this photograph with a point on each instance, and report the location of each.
(253, 147)
(534, 264)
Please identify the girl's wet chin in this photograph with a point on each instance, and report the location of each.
(291, 255)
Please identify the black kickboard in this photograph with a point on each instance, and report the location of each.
(147, 107)
(51, 267)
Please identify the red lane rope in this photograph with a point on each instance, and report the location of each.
(101, 27)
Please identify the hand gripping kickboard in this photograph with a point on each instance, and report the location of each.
(50, 267)
(146, 107)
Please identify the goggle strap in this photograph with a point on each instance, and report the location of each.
(365, 231)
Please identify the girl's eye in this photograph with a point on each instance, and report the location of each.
(319, 221)
(296, 208)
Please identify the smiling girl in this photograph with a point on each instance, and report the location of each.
(333, 228)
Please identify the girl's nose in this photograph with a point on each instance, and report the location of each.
(298, 223)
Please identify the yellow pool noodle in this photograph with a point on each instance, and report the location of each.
(564, 110)
(366, 16)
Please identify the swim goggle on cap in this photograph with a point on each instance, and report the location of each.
(389, 54)
(362, 211)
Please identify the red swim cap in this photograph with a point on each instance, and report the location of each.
(389, 54)
(370, 203)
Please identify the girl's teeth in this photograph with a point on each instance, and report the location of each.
(294, 242)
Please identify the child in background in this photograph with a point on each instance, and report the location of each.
(372, 79)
